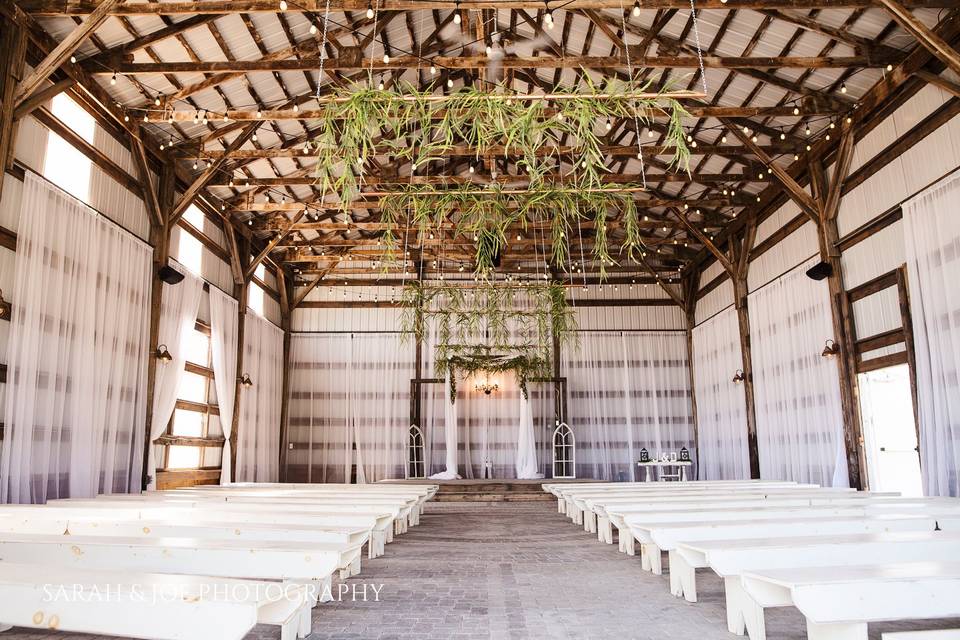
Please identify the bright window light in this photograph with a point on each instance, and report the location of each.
(189, 249)
(255, 293)
(187, 423)
(64, 165)
(181, 457)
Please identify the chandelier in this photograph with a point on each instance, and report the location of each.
(487, 386)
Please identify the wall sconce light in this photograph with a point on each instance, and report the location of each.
(245, 380)
(738, 377)
(163, 355)
(4, 307)
(830, 349)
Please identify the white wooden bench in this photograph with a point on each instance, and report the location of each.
(732, 558)
(839, 602)
(381, 531)
(295, 562)
(146, 605)
(94, 526)
(610, 515)
(657, 537)
(933, 634)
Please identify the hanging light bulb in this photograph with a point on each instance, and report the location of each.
(313, 29)
(369, 11)
(254, 138)
(126, 117)
(636, 9)
(380, 84)
(723, 139)
(843, 87)
(450, 82)
(283, 5)
(296, 108)
(156, 101)
(796, 111)
(609, 124)
(548, 19)
(73, 59)
(113, 78)
(433, 70)
(472, 170)
(456, 13)
(259, 114)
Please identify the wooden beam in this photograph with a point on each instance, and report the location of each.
(13, 46)
(721, 258)
(150, 197)
(510, 62)
(201, 181)
(110, 57)
(42, 95)
(926, 36)
(939, 81)
(793, 189)
(841, 168)
(81, 7)
(235, 267)
(273, 243)
(65, 49)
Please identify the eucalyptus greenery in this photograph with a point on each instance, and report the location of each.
(404, 123)
(359, 122)
(516, 323)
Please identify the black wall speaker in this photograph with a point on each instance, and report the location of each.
(169, 275)
(820, 271)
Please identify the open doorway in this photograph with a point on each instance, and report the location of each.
(890, 430)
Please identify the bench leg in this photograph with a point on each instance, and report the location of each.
(306, 623)
(561, 505)
(842, 631)
(627, 542)
(325, 589)
(683, 577)
(753, 618)
(290, 628)
(389, 532)
(650, 558)
(589, 521)
(604, 529)
(355, 566)
(734, 595)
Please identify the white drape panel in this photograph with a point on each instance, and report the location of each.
(178, 316)
(258, 430)
(797, 391)
(76, 382)
(223, 345)
(526, 465)
(932, 238)
(349, 403)
(627, 390)
(451, 435)
(721, 404)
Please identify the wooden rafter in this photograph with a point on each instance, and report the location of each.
(273, 243)
(926, 36)
(65, 49)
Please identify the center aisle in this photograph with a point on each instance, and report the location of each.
(520, 570)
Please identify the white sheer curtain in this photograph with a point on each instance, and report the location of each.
(178, 316)
(223, 344)
(721, 405)
(76, 381)
(526, 465)
(627, 390)
(797, 390)
(258, 430)
(932, 238)
(451, 435)
(349, 403)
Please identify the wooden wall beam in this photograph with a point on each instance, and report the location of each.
(42, 95)
(65, 49)
(13, 48)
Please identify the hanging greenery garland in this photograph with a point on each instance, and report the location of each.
(516, 322)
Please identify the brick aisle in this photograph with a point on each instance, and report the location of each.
(517, 571)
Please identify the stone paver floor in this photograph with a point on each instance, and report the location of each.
(517, 571)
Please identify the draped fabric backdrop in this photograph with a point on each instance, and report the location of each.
(76, 380)
(451, 435)
(349, 404)
(797, 394)
(258, 430)
(223, 345)
(932, 238)
(178, 316)
(721, 404)
(627, 390)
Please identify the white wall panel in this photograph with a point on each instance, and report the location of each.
(638, 318)
(796, 248)
(715, 301)
(10, 203)
(31, 144)
(878, 254)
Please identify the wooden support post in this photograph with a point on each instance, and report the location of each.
(828, 239)
(13, 47)
(285, 285)
(741, 260)
(240, 293)
(160, 239)
(691, 283)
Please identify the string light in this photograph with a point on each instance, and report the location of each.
(636, 9)
(113, 78)
(386, 58)
(456, 13)
(369, 11)
(843, 87)
(283, 5)
(313, 29)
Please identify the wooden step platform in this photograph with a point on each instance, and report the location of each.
(491, 490)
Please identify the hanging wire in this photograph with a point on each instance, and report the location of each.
(696, 37)
(633, 89)
(323, 48)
